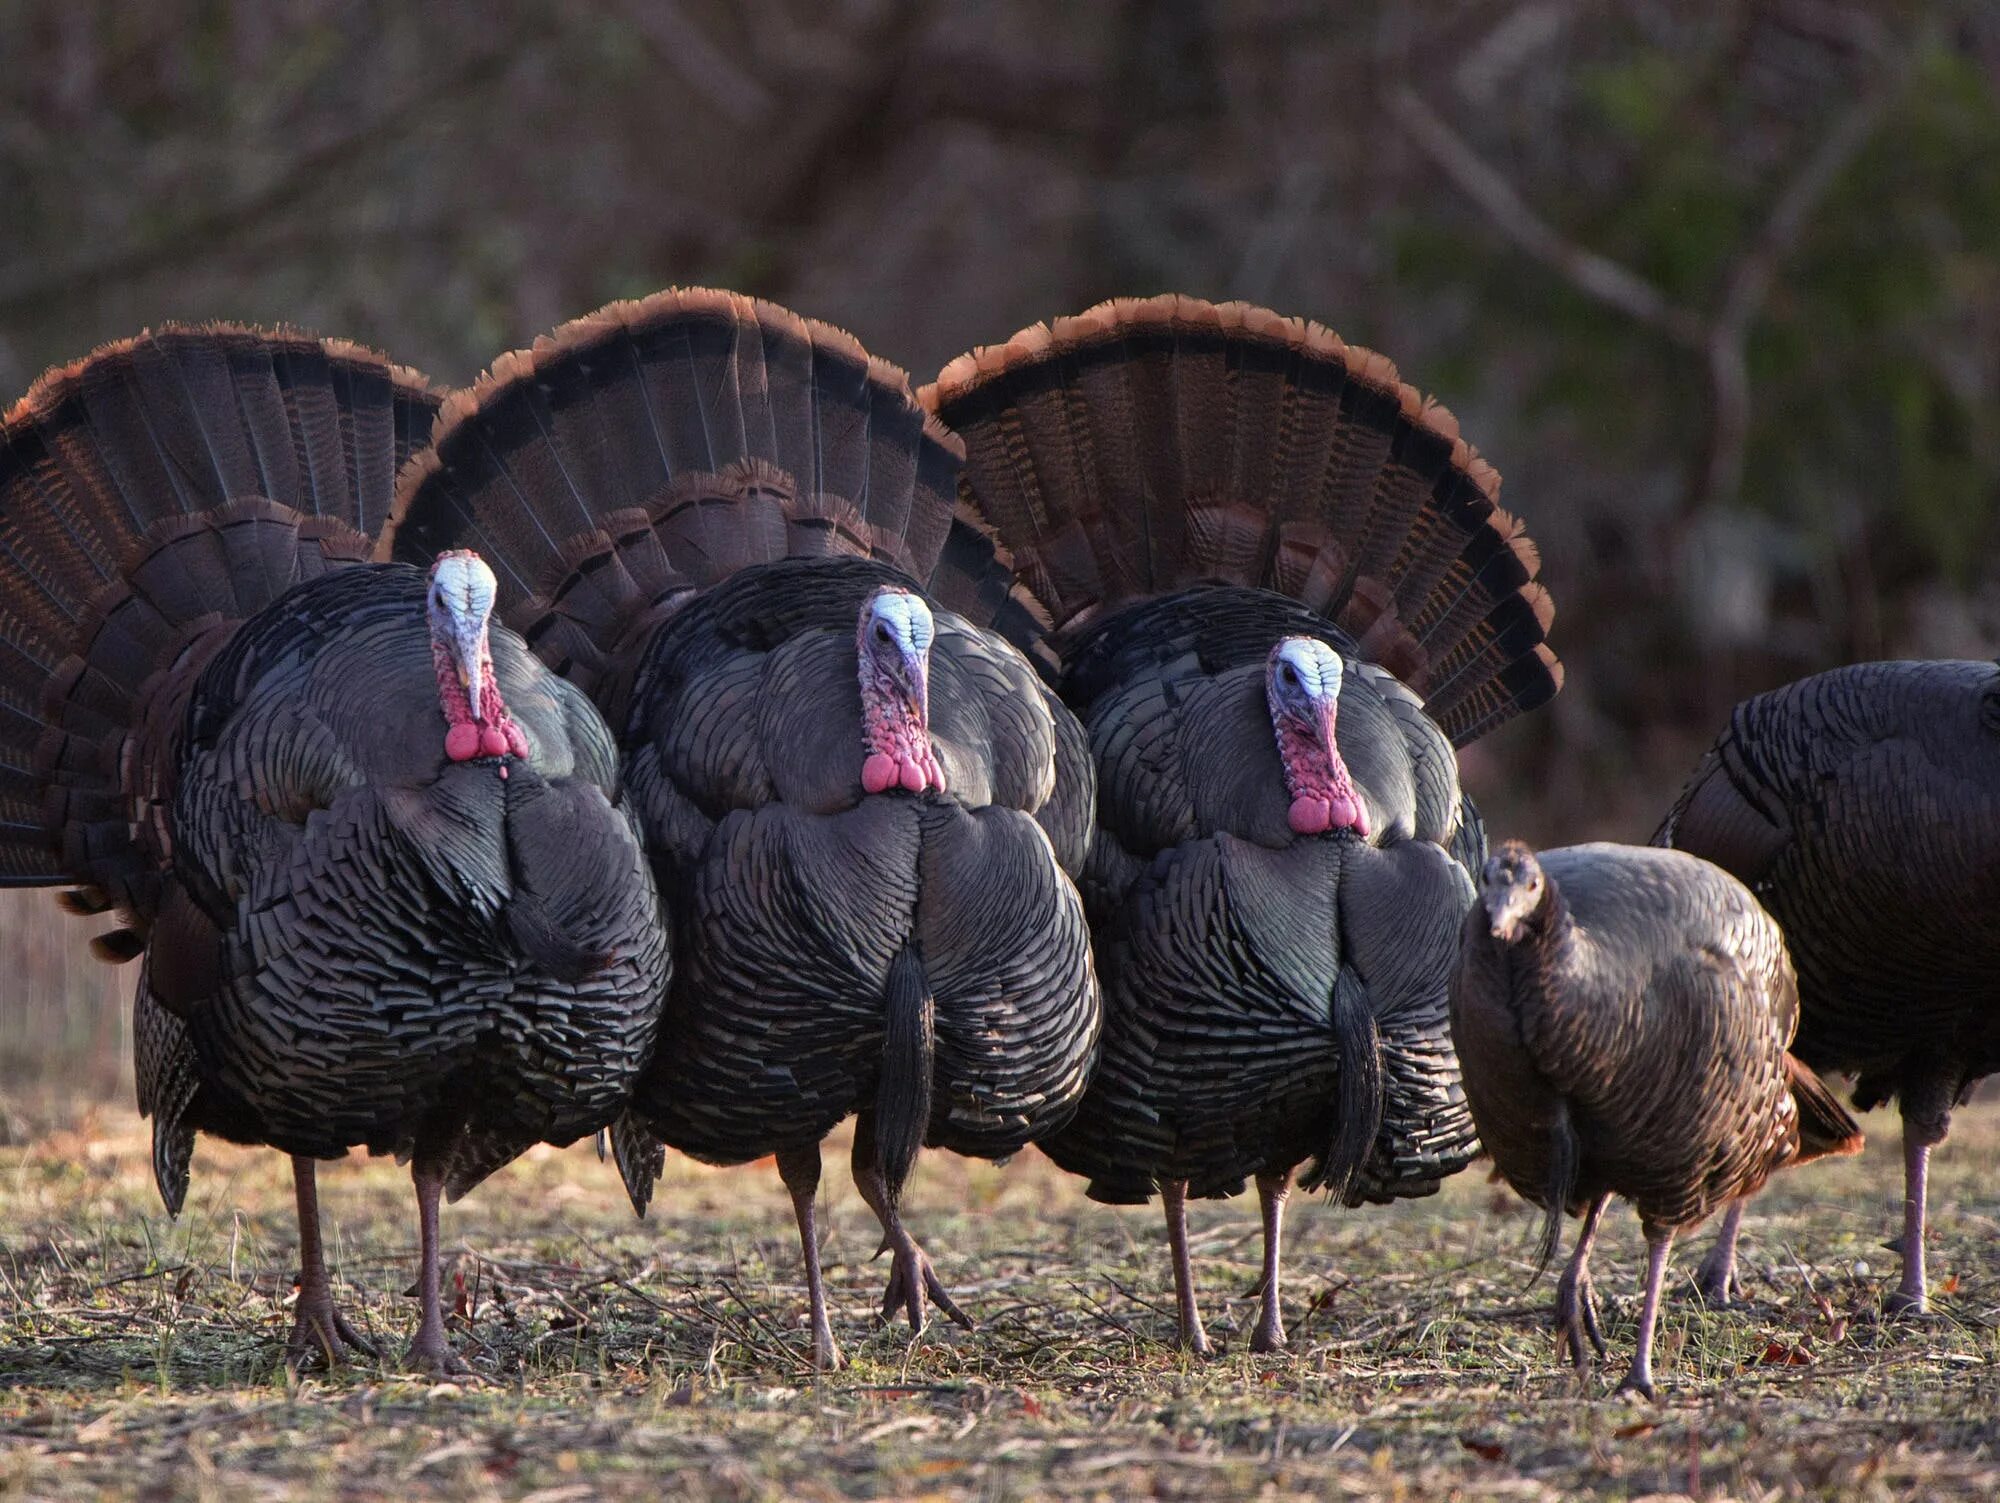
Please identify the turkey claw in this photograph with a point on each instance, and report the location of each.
(321, 1335)
(1576, 1318)
(430, 1354)
(911, 1279)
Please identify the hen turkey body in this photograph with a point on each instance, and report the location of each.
(1862, 806)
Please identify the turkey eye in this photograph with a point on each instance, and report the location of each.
(881, 632)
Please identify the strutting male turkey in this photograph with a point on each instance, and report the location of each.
(370, 850)
(735, 528)
(1277, 589)
(1622, 1016)
(1862, 806)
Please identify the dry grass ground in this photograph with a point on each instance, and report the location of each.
(140, 1357)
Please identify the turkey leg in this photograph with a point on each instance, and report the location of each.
(1912, 1296)
(318, 1327)
(429, 1352)
(1639, 1379)
(1576, 1301)
(911, 1276)
(799, 1168)
(1173, 1198)
(1717, 1281)
(1272, 1189)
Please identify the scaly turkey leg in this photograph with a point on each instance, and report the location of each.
(318, 1327)
(429, 1351)
(799, 1168)
(1271, 1192)
(1576, 1302)
(911, 1276)
(1717, 1281)
(1173, 1197)
(1639, 1379)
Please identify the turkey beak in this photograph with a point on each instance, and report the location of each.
(1507, 906)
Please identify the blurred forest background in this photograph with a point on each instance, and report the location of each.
(1717, 287)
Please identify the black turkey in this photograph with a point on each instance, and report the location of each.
(370, 850)
(735, 528)
(1622, 1016)
(1254, 550)
(1862, 806)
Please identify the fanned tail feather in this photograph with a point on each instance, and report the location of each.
(1148, 445)
(654, 447)
(1825, 1128)
(150, 496)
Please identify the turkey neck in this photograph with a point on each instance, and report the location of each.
(1549, 945)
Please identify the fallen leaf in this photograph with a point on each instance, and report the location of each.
(1948, 1286)
(1030, 1406)
(1777, 1354)
(1632, 1432)
(1488, 1450)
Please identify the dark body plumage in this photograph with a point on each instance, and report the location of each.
(1200, 890)
(699, 503)
(1862, 806)
(1186, 489)
(348, 939)
(1622, 1016)
(801, 891)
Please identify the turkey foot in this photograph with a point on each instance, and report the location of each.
(911, 1277)
(321, 1334)
(1639, 1378)
(1717, 1283)
(1272, 1189)
(428, 1351)
(1576, 1318)
(1173, 1198)
(1576, 1301)
(799, 1168)
(319, 1331)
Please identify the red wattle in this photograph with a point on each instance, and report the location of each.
(1310, 816)
(880, 772)
(461, 742)
(516, 742)
(492, 742)
(912, 775)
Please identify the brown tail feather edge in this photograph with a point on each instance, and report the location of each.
(152, 495)
(1152, 444)
(654, 447)
(1825, 1128)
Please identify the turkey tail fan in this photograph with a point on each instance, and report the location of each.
(658, 446)
(151, 494)
(1149, 445)
(1825, 1128)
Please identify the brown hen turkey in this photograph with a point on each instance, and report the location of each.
(736, 529)
(1862, 806)
(1622, 1016)
(370, 849)
(1274, 586)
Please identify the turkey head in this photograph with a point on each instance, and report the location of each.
(460, 607)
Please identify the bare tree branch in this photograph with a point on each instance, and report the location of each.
(702, 65)
(199, 231)
(1748, 285)
(1597, 277)
(1721, 339)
